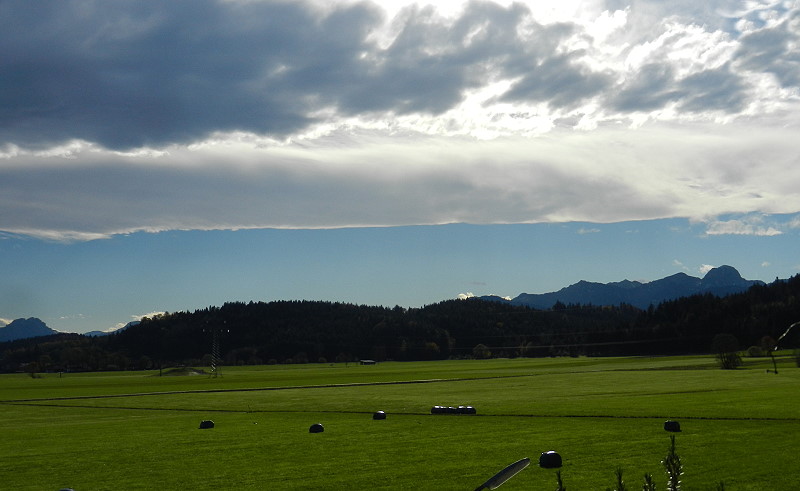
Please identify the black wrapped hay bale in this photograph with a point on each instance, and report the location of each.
(316, 428)
(437, 410)
(550, 460)
(379, 415)
(206, 424)
(673, 426)
(469, 410)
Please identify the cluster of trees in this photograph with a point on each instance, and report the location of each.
(307, 331)
(65, 352)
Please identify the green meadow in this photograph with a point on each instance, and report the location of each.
(139, 430)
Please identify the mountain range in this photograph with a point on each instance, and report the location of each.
(33, 327)
(109, 331)
(25, 328)
(720, 281)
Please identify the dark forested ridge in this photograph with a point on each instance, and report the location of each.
(310, 331)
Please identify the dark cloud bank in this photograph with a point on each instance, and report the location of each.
(126, 74)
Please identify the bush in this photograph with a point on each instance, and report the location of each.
(726, 347)
(648, 485)
(729, 361)
(620, 486)
(755, 351)
(673, 466)
(481, 352)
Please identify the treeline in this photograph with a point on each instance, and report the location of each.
(313, 332)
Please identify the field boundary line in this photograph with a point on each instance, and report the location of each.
(45, 403)
(257, 389)
(294, 387)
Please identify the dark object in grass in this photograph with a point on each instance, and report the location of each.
(316, 428)
(673, 426)
(206, 424)
(379, 415)
(467, 410)
(438, 410)
(550, 460)
(510, 471)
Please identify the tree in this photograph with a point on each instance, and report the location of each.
(726, 348)
(481, 352)
(767, 344)
(429, 350)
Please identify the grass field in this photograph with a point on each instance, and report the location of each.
(136, 430)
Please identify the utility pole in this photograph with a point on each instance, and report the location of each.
(216, 361)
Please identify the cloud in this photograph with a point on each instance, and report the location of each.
(717, 89)
(134, 318)
(238, 114)
(772, 48)
(405, 179)
(583, 231)
(748, 225)
(130, 75)
(148, 315)
(705, 268)
(678, 264)
(5, 322)
(133, 75)
(465, 296)
(651, 87)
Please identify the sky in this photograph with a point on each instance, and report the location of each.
(168, 156)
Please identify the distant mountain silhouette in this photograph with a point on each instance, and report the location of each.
(721, 281)
(110, 331)
(25, 328)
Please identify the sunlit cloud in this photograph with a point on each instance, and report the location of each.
(705, 268)
(150, 315)
(465, 296)
(134, 318)
(354, 114)
(680, 266)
